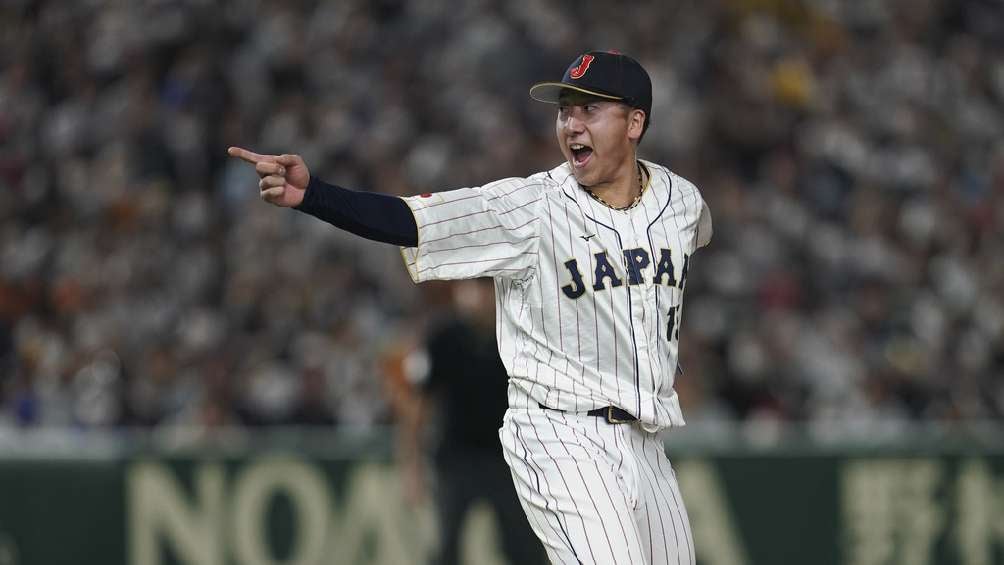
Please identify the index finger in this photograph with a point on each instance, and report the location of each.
(249, 156)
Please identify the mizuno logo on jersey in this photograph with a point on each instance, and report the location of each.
(635, 260)
(588, 236)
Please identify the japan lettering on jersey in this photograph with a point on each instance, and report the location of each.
(588, 298)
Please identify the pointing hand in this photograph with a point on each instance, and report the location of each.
(284, 178)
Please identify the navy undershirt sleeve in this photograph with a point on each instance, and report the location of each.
(371, 215)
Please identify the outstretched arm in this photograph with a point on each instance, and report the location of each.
(286, 181)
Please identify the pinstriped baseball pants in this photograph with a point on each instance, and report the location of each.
(595, 492)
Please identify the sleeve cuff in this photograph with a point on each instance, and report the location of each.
(311, 196)
(704, 226)
(410, 254)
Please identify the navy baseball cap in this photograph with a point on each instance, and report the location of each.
(604, 74)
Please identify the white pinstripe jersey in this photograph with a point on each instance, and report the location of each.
(588, 298)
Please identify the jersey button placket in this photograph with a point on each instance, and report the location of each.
(642, 320)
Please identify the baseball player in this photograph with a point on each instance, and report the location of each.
(589, 261)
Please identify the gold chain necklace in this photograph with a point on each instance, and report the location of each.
(637, 199)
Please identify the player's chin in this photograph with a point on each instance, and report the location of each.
(582, 174)
(579, 175)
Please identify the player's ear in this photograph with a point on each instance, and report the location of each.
(636, 124)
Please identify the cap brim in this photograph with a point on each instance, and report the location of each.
(551, 91)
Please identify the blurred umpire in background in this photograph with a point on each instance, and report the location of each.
(460, 389)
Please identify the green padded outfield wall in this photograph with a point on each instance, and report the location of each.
(314, 505)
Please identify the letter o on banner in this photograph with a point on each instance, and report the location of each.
(308, 494)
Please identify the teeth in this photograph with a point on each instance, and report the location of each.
(576, 146)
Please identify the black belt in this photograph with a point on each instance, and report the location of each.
(612, 414)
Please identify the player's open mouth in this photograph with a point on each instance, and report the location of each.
(580, 154)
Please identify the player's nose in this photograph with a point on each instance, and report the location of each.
(573, 124)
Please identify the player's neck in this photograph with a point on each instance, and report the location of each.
(624, 190)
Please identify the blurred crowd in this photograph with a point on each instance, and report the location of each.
(852, 154)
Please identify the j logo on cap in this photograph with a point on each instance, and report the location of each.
(577, 72)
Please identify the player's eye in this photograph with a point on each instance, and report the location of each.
(590, 108)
